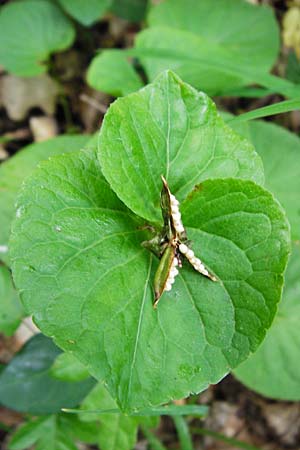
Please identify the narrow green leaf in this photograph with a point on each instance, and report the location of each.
(168, 128)
(193, 58)
(277, 108)
(111, 72)
(227, 440)
(26, 384)
(67, 368)
(153, 441)
(168, 410)
(273, 370)
(86, 12)
(29, 32)
(183, 433)
(17, 168)
(11, 311)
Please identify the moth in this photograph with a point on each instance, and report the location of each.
(171, 246)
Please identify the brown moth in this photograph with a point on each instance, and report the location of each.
(170, 244)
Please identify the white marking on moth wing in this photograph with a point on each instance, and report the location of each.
(3, 248)
(172, 274)
(183, 248)
(190, 254)
(168, 287)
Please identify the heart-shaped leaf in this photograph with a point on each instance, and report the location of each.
(82, 272)
(110, 71)
(170, 129)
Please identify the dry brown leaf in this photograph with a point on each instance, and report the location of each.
(19, 95)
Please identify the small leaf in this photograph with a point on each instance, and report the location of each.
(111, 72)
(55, 432)
(67, 368)
(169, 128)
(86, 12)
(17, 168)
(11, 311)
(29, 32)
(29, 433)
(273, 370)
(26, 384)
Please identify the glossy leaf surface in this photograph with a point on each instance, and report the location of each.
(170, 129)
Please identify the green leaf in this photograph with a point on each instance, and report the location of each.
(111, 72)
(67, 368)
(51, 432)
(194, 29)
(273, 370)
(153, 441)
(29, 32)
(132, 10)
(117, 431)
(145, 415)
(29, 433)
(17, 168)
(80, 430)
(293, 68)
(280, 152)
(168, 128)
(270, 110)
(183, 433)
(11, 311)
(86, 12)
(26, 384)
(82, 272)
(221, 437)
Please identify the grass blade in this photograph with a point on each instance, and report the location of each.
(154, 442)
(183, 433)
(225, 439)
(277, 108)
